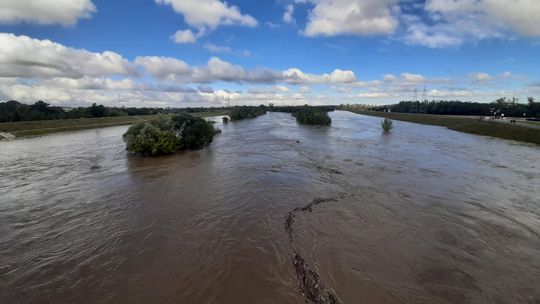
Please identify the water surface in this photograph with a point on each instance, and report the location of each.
(422, 215)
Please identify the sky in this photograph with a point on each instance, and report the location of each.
(190, 53)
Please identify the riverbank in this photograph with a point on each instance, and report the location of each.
(465, 124)
(41, 127)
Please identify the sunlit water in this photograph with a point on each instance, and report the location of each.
(421, 215)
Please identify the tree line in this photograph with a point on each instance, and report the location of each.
(507, 106)
(12, 111)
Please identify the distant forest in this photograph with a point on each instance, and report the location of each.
(12, 111)
(507, 106)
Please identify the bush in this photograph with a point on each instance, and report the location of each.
(313, 117)
(166, 136)
(243, 112)
(387, 125)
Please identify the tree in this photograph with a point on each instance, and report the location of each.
(533, 107)
(312, 117)
(97, 111)
(167, 135)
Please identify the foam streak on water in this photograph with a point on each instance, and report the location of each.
(422, 215)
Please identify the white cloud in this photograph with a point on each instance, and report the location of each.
(520, 16)
(296, 76)
(288, 15)
(22, 56)
(450, 93)
(455, 22)
(184, 36)
(481, 77)
(175, 70)
(65, 12)
(164, 68)
(376, 95)
(354, 17)
(209, 13)
(389, 77)
(413, 78)
(216, 48)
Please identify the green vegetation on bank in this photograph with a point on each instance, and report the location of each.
(167, 135)
(463, 124)
(14, 111)
(243, 112)
(510, 107)
(41, 127)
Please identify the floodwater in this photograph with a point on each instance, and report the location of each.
(421, 215)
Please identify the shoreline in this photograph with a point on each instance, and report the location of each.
(43, 127)
(471, 125)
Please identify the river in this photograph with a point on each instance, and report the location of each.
(420, 215)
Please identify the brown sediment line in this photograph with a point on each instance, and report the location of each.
(311, 286)
(290, 217)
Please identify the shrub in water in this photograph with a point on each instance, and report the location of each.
(239, 113)
(387, 125)
(166, 136)
(313, 117)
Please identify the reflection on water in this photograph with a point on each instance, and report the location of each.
(422, 215)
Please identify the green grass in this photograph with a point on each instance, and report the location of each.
(465, 124)
(41, 127)
(532, 123)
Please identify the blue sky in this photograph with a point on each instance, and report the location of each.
(209, 52)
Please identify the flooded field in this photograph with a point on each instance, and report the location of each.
(421, 215)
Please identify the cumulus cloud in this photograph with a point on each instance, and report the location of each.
(209, 13)
(443, 23)
(454, 22)
(354, 17)
(389, 78)
(175, 70)
(65, 12)
(184, 36)
(520, 16)
(288, 15)
(22, 56)
(481, 77)
(296, 76)
(216, 48)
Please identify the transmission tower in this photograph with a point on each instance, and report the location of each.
(414, 103)
(424, 104)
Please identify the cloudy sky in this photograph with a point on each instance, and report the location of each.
(180, 53)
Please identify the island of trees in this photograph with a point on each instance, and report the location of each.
(168, 135)
(243, 112)
(309, 115)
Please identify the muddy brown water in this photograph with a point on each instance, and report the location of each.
(422, 215)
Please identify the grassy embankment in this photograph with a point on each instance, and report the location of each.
(465, 124)
(41, 127)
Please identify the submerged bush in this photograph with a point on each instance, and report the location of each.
(164, 136)
(243, 112)
(313, 117)
(387, 125)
